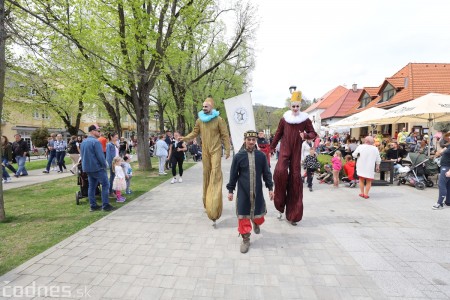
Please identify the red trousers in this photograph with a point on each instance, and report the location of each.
(245, 225)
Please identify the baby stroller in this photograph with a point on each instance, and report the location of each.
(83, 182)
(330, 151)
(416, 174)
(151, 150)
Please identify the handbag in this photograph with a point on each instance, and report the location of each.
(437, 160)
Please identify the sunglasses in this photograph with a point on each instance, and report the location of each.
(294, 106)
(205, 106)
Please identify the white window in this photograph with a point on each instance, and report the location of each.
(40, 115)
(387, 94)
(365, 100)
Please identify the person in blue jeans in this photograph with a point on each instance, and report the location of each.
(20, 150)
(444, 176)
(93, 162)
(51, 152)
(6, 152)
(60, 147)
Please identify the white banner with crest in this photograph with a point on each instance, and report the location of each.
(240, 118)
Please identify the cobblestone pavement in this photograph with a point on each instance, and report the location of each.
(162, 246)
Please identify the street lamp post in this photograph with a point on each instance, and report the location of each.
(156, 115)
(268, 122)
(292, 88)
(166, 124)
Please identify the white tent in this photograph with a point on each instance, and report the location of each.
(429, 108)
(360, 119)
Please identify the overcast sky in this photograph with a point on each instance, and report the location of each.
(320, 44)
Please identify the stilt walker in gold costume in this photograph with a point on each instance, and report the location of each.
(214, 132)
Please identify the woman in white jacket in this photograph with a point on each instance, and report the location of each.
(162, 152)
(306, 146)
(368, 160)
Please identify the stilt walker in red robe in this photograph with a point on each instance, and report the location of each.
(294, 127)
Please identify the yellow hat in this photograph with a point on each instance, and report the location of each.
(296, 96)
(250, 133)
(210, 100)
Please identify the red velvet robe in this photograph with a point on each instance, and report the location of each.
(287, 175)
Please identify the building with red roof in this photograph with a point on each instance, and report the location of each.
(410, 82)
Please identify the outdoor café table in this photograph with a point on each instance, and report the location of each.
(385, 166)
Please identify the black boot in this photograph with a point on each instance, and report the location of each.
(245, 242)
(256, 228)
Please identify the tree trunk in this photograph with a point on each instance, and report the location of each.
(72, 130)
(113, 112)
(181, 121)
(142, 120)
(2, 87)
(181, 105)
(161, 117)
(179, 94)
(118, 124)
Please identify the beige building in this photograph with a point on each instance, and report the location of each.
(25, 122)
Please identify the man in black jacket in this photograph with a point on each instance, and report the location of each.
(395, 154)
(20, 150)
(248, 168)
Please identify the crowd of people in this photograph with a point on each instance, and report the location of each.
(17, 151)
(105, 159)
(99, 156)
(377, 148)
(113, 151)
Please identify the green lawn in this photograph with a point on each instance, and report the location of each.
(326, 159)
(42, 215)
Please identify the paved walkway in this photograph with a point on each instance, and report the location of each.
(34, 177)
(162, 246)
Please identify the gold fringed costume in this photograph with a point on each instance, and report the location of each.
(213, 134)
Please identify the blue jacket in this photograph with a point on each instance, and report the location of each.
(110, 153)
(92, 157)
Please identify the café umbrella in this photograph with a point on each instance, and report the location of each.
(430, 108)
(364, 118)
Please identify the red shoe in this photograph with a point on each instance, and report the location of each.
(366, 196)
(362, 195)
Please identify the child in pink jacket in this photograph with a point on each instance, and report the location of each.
(337, 166)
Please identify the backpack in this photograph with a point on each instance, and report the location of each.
(72, 149)
(410, 139)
